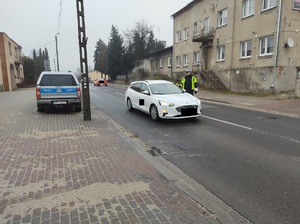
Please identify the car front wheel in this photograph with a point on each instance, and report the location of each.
(154, 113)
(129, 105)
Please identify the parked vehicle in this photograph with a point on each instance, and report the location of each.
(58, 90)
(100, 82)
(162, 100)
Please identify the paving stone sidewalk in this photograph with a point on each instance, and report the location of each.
(57, 168)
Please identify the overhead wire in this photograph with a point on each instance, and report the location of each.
(42, 45)
(57, 32)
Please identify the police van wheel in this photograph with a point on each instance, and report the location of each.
(40, 108)
(77, 109)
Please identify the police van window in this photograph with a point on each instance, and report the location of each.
(58, 80)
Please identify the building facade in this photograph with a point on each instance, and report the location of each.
(160, 62)
(11, 66)
(251, 45)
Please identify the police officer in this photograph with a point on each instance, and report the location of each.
(189, 83)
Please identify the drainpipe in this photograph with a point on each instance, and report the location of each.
(277, 43)
(232, 44)
(173, 47)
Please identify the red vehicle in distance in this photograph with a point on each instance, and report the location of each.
(100, 82)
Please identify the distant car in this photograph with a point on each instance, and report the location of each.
(58, 90)
(162, 100)
(100, 82)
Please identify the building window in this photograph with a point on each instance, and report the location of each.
(196, 57)
(267, 4)
(198, 26)
(296, 4)
(222, 17)
(246, 49)
(185, 60)
(9, 48)
(248, 8)
(221, 53)
(161, 62)
(266, 45)
(178, 37)
(169, 61)
(186, 33)
(178, 62)
(152, 65)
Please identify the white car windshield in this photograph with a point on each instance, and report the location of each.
(165, 88)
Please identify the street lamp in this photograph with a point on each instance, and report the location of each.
(57, 52)
(54, 63)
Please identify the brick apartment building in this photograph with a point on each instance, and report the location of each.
(11, 67)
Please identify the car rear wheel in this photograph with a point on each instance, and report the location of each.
(154, 113)
(40, 108)
(129, 105)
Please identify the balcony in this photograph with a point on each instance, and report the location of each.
(203, 35)
(18, 60)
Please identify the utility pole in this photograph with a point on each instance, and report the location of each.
(57, 52)
(83, 61)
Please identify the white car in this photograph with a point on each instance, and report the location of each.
(162, 99)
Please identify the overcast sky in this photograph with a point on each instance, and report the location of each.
(33, 24)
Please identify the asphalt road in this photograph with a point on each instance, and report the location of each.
(250, 160)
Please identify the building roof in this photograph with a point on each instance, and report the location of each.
(4, 34)
(187, 7)
(166, 49)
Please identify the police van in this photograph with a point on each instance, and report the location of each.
(58, 90)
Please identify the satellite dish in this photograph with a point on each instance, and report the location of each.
(290, 42)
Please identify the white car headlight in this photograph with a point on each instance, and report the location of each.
(166, 104)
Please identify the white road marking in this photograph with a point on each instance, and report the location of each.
(121, 94)
(226, 122)
(252, 129)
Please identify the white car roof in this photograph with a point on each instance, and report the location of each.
(153, 81)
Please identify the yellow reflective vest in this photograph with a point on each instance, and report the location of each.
(194, 80)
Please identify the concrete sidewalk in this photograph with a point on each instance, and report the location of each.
(57, 168)
(282, 104)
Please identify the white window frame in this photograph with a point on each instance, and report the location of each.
(178, 61)
(248, 8)
(161, 62)
(185, 60)
(178, 36)
(169, 61)
(196, 57)
(246, 49)
(206, 25)
(222, 17)
(264, 44)
(221, 53)
(186, 33)
(268, 4)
